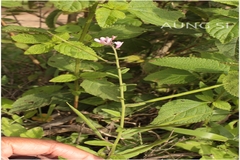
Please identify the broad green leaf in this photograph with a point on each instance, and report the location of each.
(72, 5)
(52, 18)
(95, 101)
(182, 111)
(220, 11)
(129, 20)
(107, 17)
(197, 133)
(31, 39)
(30, 102)
(112, 112)
(231, 83)
(224, 29)
(148, 12)
(191, 64)
(205, 98)
(98, 143)
(222, 105)
(64, 78)
(121, 31)
(77, 50)
(14, 28)
(39, 48)
(232, 2)
(119, 5)
(129, 153)
(11, 129)
(17, 119)
(171, 76)
(36, 132)
(101, 88)
(6, 103)
(62, 35)
(69, 28)
(228, 49)
(47, 89)
(87, 121)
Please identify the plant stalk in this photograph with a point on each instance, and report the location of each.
(122, 100)
(78, 61)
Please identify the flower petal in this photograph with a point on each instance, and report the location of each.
(118, 44)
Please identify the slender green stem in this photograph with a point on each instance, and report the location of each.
(122, 100)
(78, 61)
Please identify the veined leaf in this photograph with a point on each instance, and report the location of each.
(52, 18)
(36, 132)
(112, 112)
(72, 5)
(64, 78)
(171, 76)
(224, 29)
(77, 50)
(69, 28)
(98, 143)
(228, 49)
(222, 105)
(182, 111)
(13, 28)
(191, 64)
(150, 13)
(31, 39)
(122, 32)
(101, 88)
(93, 75)
(232, 2)
(39, 48)
(231, 83)
(116, 5)
(30, 102)
(106, 17)
(63, 35)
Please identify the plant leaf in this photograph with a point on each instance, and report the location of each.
(191, 64)
(231, 83)
(228, 49)
(72, 5)
(36, 132)
(170, 76)
(224, 29)
(13, 28)
(122, 31)
(106, 17)
(182, 111)
(197, 133)
(31, 39)
(222, 105)
(148, 12)
(52, 18)
(64, 78)
(98, 143)
(39, 48)
(76, 50)
(101, 88)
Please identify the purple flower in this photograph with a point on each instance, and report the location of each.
(108, 41)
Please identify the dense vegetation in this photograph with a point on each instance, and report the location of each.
(169, 91)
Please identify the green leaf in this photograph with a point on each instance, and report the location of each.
(224, 29)
(11, 129)
(17, 119)
(64, 78)
(116, 5)
(129, 20)
(231, 83)
(232, 2)
(88, 122)
(228, 49)
(31, 39)
(72, 5)
(93, 75)
(63, 35)
(191, 64)
(98, 143)
(182, 111)
(170, 76)
(112, 112)
(197, 133)
(30, 102)
(6, 103)
(95, 101)
(52, 18)
(47, 89)
(39, 48)
(121, 31)
(222, 105)
(148, 12)
(77, 50)
(101, 88)
(69, 28)
(13, 28)
(11, 3)
(205, 98)
(106, 17)
(36, 132)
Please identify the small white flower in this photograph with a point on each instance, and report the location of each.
(108, 41)
(118, 44)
